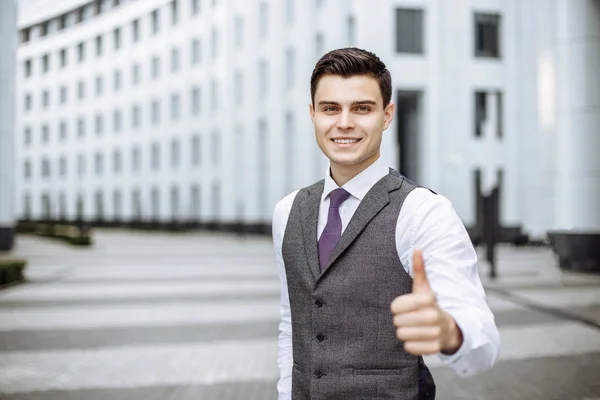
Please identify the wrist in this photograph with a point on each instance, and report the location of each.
(454, 337)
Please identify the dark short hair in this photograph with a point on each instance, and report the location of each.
(351, 61)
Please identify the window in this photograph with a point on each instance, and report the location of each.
(45, 168)
(81, 52)
(62, 129)
(99, 47)
(289, 151)
(118, 80)
(62, 166)
(175, 61)
(214, 93)
(155, 109)
(238, 87)
(155, 23)
(117, 38)
(174, 12)
(351, 30)
(99, 163)
(117, 161)
(263, 24)
(487, 35)
(155, 156)
(136, 159)
(27, 68)
(45, 63)
(195, 6)
(319, 44)
(263, 76)
(289, 11)
(99, 198)
(63, 58)
(175, 153)
(290, 59)
(117, 121)
(81, 165)
(80, 90)
(216, 148)
(45, 133)
(409, 31)
(27, 169)
(99, 124)
(28, 135)
(196, 101)
(136, 117)
(135, 74)
(136, 204)
(155, 67)
(175, 107)
(63, 94)
(196, 150)
(195, 203)
(62, 206)
(99, 86)
(28, 102)
(117, 204)
(239, 32)
(175, 202)
(135, 30)
(488, 112)
(45, 99)
(80, 127)
(196, 52)
(155, 203)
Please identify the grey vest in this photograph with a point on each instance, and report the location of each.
(344, 342)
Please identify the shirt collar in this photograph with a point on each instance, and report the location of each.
(361, 183)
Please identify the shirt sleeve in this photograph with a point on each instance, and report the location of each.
(429, 222)
(284, 343)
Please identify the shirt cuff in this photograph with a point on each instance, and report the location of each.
(457, 361)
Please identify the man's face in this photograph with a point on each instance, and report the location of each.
(349, 119)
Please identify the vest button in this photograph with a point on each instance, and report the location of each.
(320, 337)
(319, 303)
(318, 374)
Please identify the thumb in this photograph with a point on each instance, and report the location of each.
(420, 281)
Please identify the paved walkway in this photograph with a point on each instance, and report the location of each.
(194, 316)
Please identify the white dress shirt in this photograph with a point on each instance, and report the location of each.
(428, 222)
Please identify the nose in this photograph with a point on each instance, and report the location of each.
(345, 121)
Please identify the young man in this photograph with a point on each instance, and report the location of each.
(375, 271)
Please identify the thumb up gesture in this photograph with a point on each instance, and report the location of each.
(422, 326)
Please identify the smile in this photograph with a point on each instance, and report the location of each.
(345, 141)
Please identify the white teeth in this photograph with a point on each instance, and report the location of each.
(345, 141)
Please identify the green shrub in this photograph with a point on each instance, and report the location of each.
(67, 233)
(11, 271)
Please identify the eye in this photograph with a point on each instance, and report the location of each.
(363, 109)
(329, 109)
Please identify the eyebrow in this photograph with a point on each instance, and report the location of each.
(354, 103)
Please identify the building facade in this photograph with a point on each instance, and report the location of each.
(196, 111)
(8, 56)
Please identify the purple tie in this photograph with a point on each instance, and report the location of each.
(333, 230)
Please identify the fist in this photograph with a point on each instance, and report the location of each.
(421, 325)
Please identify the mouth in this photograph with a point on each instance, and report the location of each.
(345, 142)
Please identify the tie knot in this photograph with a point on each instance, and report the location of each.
(337, 197)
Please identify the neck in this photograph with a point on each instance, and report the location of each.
(341, 174)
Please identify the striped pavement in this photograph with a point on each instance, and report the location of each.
(194, 316)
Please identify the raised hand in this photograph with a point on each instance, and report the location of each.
(422, 326)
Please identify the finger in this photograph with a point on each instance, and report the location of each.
(413, 302)
(420, 281)
(418, 333)
(423, 317)
(421, 348)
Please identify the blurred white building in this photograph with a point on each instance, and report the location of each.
(197, 110)
(8, 54)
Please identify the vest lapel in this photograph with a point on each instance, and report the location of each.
(373, 202)
(309, 212)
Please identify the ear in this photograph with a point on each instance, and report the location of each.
(388, 115)
(311, 111)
